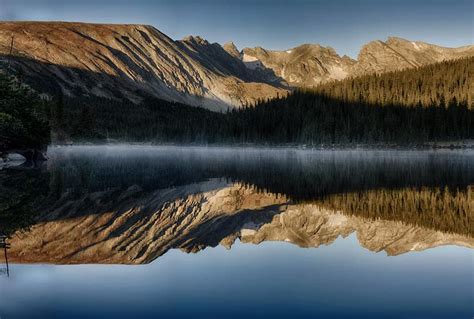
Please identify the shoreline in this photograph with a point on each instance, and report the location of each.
(448, 145)
(430, 146)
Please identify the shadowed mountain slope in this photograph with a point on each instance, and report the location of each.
(130, 61)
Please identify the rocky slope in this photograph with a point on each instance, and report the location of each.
(134, 228)
(306, 65)
(129, 61)
(397, 53)
(230, 48)
(134, 61)
(311, 64)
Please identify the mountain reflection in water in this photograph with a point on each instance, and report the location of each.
(130, 205)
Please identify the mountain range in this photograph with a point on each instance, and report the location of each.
(137, 61)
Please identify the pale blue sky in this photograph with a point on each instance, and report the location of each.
(273, 24)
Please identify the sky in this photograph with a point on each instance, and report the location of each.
(272, 24)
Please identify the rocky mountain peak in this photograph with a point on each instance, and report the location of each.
(397, 53)
(230, 48)
(305, 65)
(395, 40)
(195, 39)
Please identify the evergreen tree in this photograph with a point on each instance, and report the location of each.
(23, 116)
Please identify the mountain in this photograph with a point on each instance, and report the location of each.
(136, 61)
(134, 228)
(312, 64)
(129, 61)
(230, 48)
(397, 53)
(306, 65)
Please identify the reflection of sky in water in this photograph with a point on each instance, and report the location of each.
(272, 279)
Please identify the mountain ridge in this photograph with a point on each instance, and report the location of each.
(132, 61)
(376, 56)
(128, 61)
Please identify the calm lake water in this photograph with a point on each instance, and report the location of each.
(168, 232)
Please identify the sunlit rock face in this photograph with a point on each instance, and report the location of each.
(129, 61)
(304, 66)
(133, 227)
(311, 64)
(231, 48)
(397, 54)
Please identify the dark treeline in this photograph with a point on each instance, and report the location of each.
(303, 117)
(154, 120)
(441, 84)
(427, 104)
(312, 118)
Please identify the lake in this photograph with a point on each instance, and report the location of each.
(207, 232)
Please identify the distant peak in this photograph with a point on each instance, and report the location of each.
(195, 39)
(230, 44)
(394, 40)
(230, 48)
(348, 58)
(313, 45)
(332, 50)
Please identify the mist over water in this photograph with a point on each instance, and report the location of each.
(316, 172)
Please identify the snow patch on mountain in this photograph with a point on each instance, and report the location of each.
(416, 46)
(248, 58)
